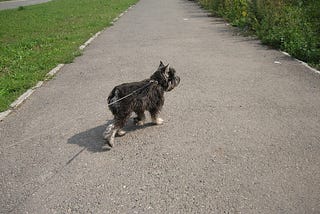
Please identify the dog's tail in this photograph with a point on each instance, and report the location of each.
(113, 96)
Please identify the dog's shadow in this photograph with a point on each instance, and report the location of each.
(92, 139)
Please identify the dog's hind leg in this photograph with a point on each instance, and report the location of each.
(115, 128)
(109, 135)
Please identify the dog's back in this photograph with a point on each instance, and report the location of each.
(130, 91)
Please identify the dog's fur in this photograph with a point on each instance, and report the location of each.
(146, 95)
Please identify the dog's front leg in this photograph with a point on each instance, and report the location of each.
(155, 117)
(157, 120)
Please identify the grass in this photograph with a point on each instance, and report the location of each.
(34, 39)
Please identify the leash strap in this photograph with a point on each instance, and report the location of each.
(132, 93)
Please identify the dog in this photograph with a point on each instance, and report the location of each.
(138, 97)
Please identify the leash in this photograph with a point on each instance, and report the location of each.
(132, 93)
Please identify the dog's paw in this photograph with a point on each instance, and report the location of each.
(157, 121)
(109, 142)
(106, 147)
(121, 133)
(138, 122)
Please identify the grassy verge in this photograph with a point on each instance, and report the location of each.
(34, 39)
(289, 25)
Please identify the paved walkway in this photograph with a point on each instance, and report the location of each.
(241, 132)
(14, 4)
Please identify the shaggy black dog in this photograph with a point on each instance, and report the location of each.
(138, 97)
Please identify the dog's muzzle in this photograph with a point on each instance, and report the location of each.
(173, 83)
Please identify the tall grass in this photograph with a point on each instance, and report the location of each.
(290, 25)
(35, 39)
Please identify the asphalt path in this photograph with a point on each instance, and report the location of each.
(17, 3)
(241, 132)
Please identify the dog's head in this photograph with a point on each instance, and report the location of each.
(166, 77)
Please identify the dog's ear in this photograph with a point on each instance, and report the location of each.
(166, 69)
(161, 64)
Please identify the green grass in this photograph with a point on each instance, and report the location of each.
(34, 39)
